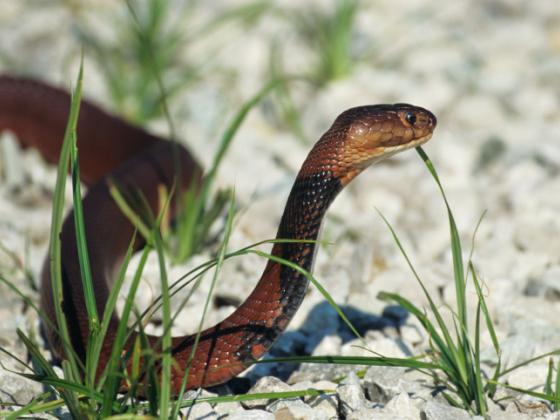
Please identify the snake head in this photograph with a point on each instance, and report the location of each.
(364, 135)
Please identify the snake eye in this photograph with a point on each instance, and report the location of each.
(410, 117)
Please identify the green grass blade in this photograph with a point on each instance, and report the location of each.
(113, 368)
(110, 306)
(47, 372)
(456, 252)
(32, 408)
(55, 262)
(448, 348)
(557, 387)
(165, 390)
(548, 382)
(411, 362)
(529, 361)
(83, 260)
(485, 311)
(126, 208)
(477, 374)
(257, 396)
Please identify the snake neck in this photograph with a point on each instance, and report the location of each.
(305, 209)
(281, 289)
(307, 205)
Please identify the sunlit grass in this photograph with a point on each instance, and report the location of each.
(329, 34)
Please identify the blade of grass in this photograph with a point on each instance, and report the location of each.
(110, 308)
(449, 349)
(557, 387)
(113, 367)
(83, 260)
(458, 269)
(57, 216)
(355, 360)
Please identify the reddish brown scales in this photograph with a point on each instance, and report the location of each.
(357, 138)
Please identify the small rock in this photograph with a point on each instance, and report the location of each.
(382, 383)
(546, 286)
(517, 348)
(11, 161)
(373, 414)
(438, 411)
(351, 395)
(318, 372)
(16, 389)
(326, 403)
(329, 345)
(508, 416)
(251, 415)
(403, 406)
(294, 410)
(200, 411)
(528, 377)
(228, 408)
(266, 384)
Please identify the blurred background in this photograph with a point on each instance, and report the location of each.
(488, 69)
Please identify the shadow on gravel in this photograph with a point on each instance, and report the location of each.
(322, 321)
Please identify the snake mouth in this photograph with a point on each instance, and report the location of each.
(385, 152)
(413, 143)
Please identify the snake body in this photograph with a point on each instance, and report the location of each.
(37, 114)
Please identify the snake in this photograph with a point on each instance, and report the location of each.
(114, 150)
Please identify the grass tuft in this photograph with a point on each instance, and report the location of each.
(330, 35)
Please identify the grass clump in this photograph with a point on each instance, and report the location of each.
(148, 46)
(329, 34)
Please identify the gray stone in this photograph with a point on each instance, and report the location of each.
(528, 377)
(329, 345)
(403, 406)
(382, 383)
(266, 384)
(517, 348)
(11, 162)
(228, 408)
(439, 411)
(351, 395)
(294, 409)
(251, 415)
(326, 403)
(319, 372)
(200, 411)
(372, 414)
(16, 389)
(545, 285)
(508, 416)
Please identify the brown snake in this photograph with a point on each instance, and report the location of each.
(37, 114)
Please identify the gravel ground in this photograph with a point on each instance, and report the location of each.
(490, 71)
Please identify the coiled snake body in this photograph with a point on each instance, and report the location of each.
(37, 114)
